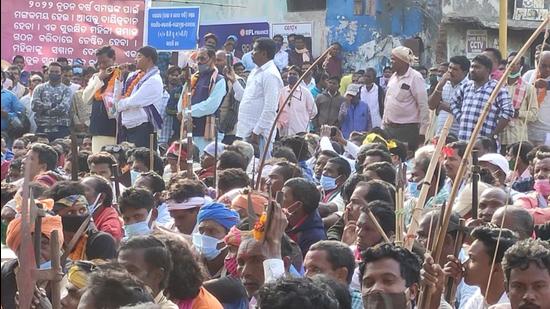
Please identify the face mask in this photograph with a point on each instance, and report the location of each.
(328, 183)
(279, 45)
(512, 164)
(207, 246)
(204, 68)
(230, 265)
(46, 265)
(134, 176)
(515, 75)
(291, 210)
(378, 300)
(412, 188)
(292, 79)
(54, 77)
(542, 186)
(138, 228)
(72, 223)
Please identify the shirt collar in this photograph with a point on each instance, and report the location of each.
(265, 66)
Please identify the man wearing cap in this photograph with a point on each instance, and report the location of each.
(214, 221)
(229, 47)
(208, 162)
(406, 106)
(497, 165)
(354, 114)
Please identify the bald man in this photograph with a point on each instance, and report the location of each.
(489, 201)
(539, 130)
(517, 219)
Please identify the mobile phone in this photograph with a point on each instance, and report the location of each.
(332, 132)
(229, 59)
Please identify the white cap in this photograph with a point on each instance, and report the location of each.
(497, 160)
(352, 89)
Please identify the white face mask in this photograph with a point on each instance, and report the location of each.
(207, 245)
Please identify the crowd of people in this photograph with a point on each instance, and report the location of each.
(156, 183)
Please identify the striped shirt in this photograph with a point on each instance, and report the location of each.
(468, 103)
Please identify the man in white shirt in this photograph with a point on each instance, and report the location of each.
(281, 57)
(374, 97)
(539, 130)
(482, 252)
(260, 98)
(138, 110)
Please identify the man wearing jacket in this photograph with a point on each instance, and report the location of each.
(301, 200)
(328, 104)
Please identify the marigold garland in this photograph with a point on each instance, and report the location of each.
(98, 96)
(259, 228)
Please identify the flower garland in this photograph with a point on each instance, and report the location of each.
(259, 228)
(98, 96)
(133, 83)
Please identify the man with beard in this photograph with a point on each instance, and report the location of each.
(526, 268)
(208, 88)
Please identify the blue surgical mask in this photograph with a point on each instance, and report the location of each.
(137, 229)
(134, 176)
(46, 265)
(328, 183)
(412, 188)
(207, 246)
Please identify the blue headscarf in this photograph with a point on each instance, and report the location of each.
(219, 213)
